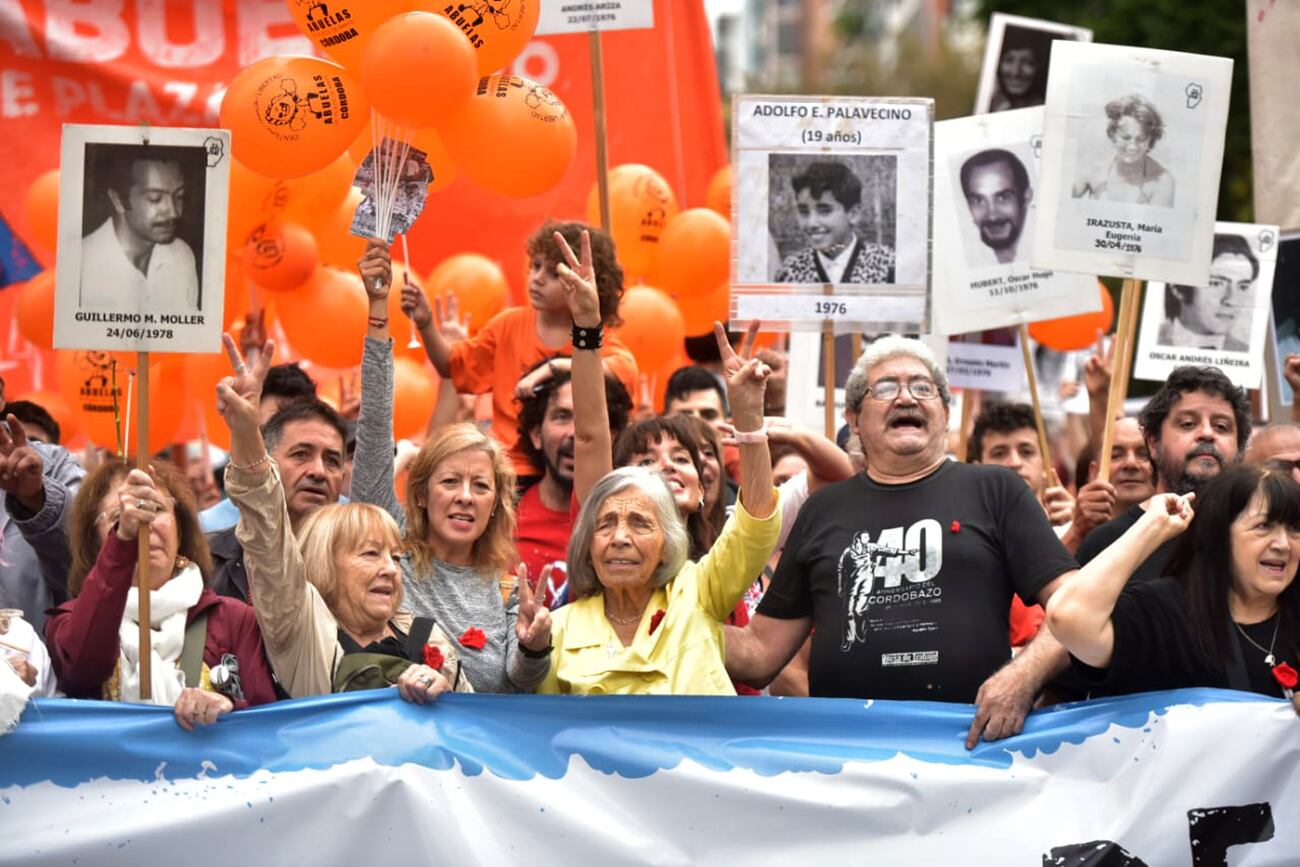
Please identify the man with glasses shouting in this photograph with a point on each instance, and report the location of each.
(904, 573)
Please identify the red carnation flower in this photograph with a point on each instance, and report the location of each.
(433, 657)
(955, 526)
(654, 621)
(1285, 675)
(473, 638)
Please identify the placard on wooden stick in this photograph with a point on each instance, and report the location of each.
(1017, 57)
(566, 17)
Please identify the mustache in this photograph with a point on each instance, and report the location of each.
(1202, 449)
(905, 414)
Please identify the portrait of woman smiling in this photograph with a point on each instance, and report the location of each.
(1129, 173)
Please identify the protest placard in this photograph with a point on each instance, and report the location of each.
(1132, 150)
(985, 182)
(1016, 60)
(142, 238)
(985, 367)
(1284, 325)
(832, 203)
(581, 16)
(1221, 323)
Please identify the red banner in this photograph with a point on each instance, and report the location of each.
(166, 62)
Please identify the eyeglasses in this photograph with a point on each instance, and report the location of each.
(918, 387)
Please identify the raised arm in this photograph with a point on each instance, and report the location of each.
(593, 450)
(746, 384)
(372, 466)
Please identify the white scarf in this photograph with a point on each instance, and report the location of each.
(168, 607)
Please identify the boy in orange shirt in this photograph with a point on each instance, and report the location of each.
(511, 343)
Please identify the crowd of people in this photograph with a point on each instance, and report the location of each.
(581, 545)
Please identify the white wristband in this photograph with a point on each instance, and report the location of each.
(752, 436)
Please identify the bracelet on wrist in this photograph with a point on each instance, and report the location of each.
(588, 338)
(752, 437)
(377, 322)
(243, 468)
(536, 654)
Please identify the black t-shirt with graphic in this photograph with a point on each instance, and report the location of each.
(909, 586)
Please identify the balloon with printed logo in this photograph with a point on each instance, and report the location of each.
(343, 28)
(280, 256)
(514, 137)
(34, 309)
(478, 283)
(653, 328)
(325, 319)
(699, 312)
(253, 200)
(718, 196)
(497, 31)
(89, 384)
(1069, 333)
(414, 393)
(640, 205)
(291, 116)
(59, 409)
(43, 211)
(334, 239)
(425, 140)
(418, 69)
(694, 254)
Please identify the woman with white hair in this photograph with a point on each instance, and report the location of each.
(647, 620)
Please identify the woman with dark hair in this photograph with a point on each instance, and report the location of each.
(206, 653)
(1231, 616)
(1021, 80)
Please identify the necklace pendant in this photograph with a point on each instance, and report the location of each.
(1270, 660)
(612, 649)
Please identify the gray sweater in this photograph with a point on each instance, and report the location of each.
(457, 597)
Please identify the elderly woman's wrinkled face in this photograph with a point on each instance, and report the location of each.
(673, 459)
(369, 583)
(461, 495)
(164, 537)
(1264, 554)
(629, 540)
(1132, 140)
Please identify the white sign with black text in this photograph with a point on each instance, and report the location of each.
(1223, 322)
(986, 179)
(1132, 151)
(142, 238)
(581, 16)
(985, 367)
(832, 204)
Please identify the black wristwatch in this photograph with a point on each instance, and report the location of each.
(536, 654)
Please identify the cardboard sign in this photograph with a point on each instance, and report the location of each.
(142, 238)
(1223, 323)
(1132, 150)
(832, 206)
(581, 16)
(986, 177)
(1016, 60)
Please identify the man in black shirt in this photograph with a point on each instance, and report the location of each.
(906, 571)
(1196, 424)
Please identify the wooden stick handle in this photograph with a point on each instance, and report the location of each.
(598, 100)
(828, 378)
(1119, 370)
(1048, 467)
(142, 581)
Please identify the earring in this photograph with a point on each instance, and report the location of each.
(182, 563)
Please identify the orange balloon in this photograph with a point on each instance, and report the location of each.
(280, 256)
(498, 32)
(694, 254)
(34, 309)
(291, 116)
(427, 140)
(343, 28)
(478, 283)
(57, 406)
(308, 197)
(325, 320)
(235, 304)
(414, 393)
(87, 382)
(419, 69)
(652, 329)
(334, 238)
(513, 137)
(699, 312)
(254, 199)
(1075, 332)
(640, 205)
(718, 196)
(43, 210)
(202, 372)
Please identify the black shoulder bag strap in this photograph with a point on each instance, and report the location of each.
(191, 661)
(421, 629)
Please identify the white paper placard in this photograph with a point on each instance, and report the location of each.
(1016, 60)
(142, 238)
(986, 367)
(1132, 150)
(832, 203)
(1224, 323)
(581, 16)
(986, 176)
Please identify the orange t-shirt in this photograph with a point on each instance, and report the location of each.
(501, 352)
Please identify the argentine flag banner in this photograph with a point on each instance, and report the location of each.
(1195, 777)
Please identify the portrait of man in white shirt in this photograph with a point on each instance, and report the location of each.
(996, 187)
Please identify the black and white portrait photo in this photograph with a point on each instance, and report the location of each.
(997, 192)
(142, 238)
(1132, 152)
(832, 218)
(1016, 61)
(142, 222)
(1221, 322)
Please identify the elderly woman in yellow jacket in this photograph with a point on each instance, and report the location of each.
(646, 619)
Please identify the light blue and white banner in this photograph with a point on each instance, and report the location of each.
(1179, 778)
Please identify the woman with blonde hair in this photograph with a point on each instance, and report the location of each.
(328, 599)
(458, 521)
